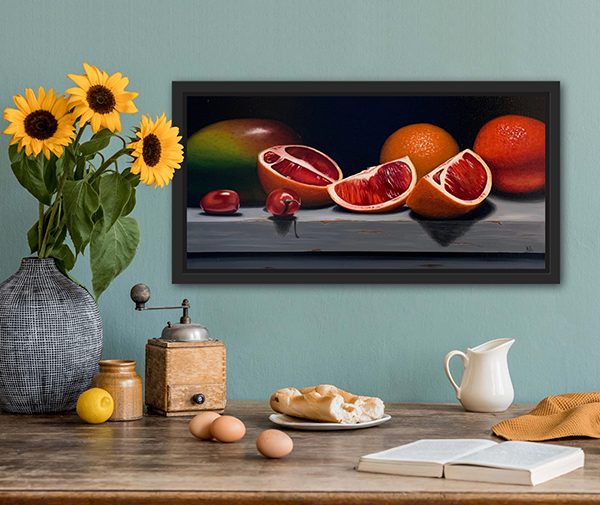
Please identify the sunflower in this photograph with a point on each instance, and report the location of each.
(41, 123)
(100, 98)
(158, 151)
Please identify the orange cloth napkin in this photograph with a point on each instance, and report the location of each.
(569, 415)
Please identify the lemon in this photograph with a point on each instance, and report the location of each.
(95, 405)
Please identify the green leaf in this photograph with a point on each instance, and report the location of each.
(66, 162)
(97, 215)
(98, 142)
(54, 240)
(33, 238)
(128, 209)
(114, 196)
(80, 202)
(111, 251)
(14, 155)
(65, 259)
(80, 170)
(134, 179)
(50, 177)
(29, 174)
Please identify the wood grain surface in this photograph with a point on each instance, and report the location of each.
(176, 371)
(60, 459)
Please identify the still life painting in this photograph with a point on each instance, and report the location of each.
(367, 182)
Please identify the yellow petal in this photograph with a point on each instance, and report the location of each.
(81, 80)
(22, 104)
(79, 92)
(117, 120)
(96, 123)
(112, 81)
(87, 115)
(121, 85)
(108, 121)
(126, 107)
(93, 74)
(57, 150)
(13, 115)
(49, 100)
(41, 96)
(32, 100)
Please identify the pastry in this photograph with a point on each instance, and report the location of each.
(327, 404)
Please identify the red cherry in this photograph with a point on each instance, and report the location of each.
(221, 201)
(283, 202)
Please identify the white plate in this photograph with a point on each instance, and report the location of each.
(302, 424)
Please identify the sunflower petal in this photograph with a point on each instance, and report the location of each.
(113, 80)
(126, 107)
(96, 123)
(82, 81)
(31, 99)
(79, 92)
(41, 95)
(117, 121)
(93, 74)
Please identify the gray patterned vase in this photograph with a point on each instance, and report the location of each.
(50, 340)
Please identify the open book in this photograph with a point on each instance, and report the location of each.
(480, 460)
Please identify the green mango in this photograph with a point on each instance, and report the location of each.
(224, 155)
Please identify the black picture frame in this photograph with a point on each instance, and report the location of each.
(182, 91)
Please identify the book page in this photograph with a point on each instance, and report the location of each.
(431, 451)
(517, 455)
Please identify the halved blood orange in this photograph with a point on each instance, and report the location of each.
(377, 189)
(454, 188)
(301, 168)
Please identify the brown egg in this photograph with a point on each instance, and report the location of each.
(227, 429)
(274, 444)
(200, 425)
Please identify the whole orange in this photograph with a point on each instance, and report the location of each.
(427, 145)
(514, 147)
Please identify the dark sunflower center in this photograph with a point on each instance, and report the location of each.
(40, 124)
(101, 99)
(151, 150)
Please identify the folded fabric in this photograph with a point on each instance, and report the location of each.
(569, 415)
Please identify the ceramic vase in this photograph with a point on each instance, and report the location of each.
(50, 340)
(119, 378)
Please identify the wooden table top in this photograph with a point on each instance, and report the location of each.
(60, 459)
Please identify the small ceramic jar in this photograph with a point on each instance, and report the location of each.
(118, 377)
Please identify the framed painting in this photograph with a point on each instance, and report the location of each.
(367, 182)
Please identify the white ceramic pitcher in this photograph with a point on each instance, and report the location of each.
(485, 385)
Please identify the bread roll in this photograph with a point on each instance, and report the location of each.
(327, 404)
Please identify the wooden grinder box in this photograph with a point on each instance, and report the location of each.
(184, 378)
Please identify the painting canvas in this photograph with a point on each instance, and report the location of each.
(403, 182)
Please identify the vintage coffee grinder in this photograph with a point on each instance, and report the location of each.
(185, 368)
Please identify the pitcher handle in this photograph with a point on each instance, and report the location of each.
(465, 361)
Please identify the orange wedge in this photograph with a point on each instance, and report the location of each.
(377, 189)
(301, 168)
(454, 188)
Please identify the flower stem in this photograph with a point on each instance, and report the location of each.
(40, 226)
(40, 211)
(79, 133)
(61, 185)
(109, 162)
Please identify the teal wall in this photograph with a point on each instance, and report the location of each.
(378, 340)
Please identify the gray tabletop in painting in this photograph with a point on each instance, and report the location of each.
(500, 233)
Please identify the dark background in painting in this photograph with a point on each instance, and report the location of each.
(352, 129)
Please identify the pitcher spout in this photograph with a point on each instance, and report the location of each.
(503, 344)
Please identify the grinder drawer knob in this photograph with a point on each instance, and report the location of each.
(199, 398)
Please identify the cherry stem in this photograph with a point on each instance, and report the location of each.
(287, 204)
